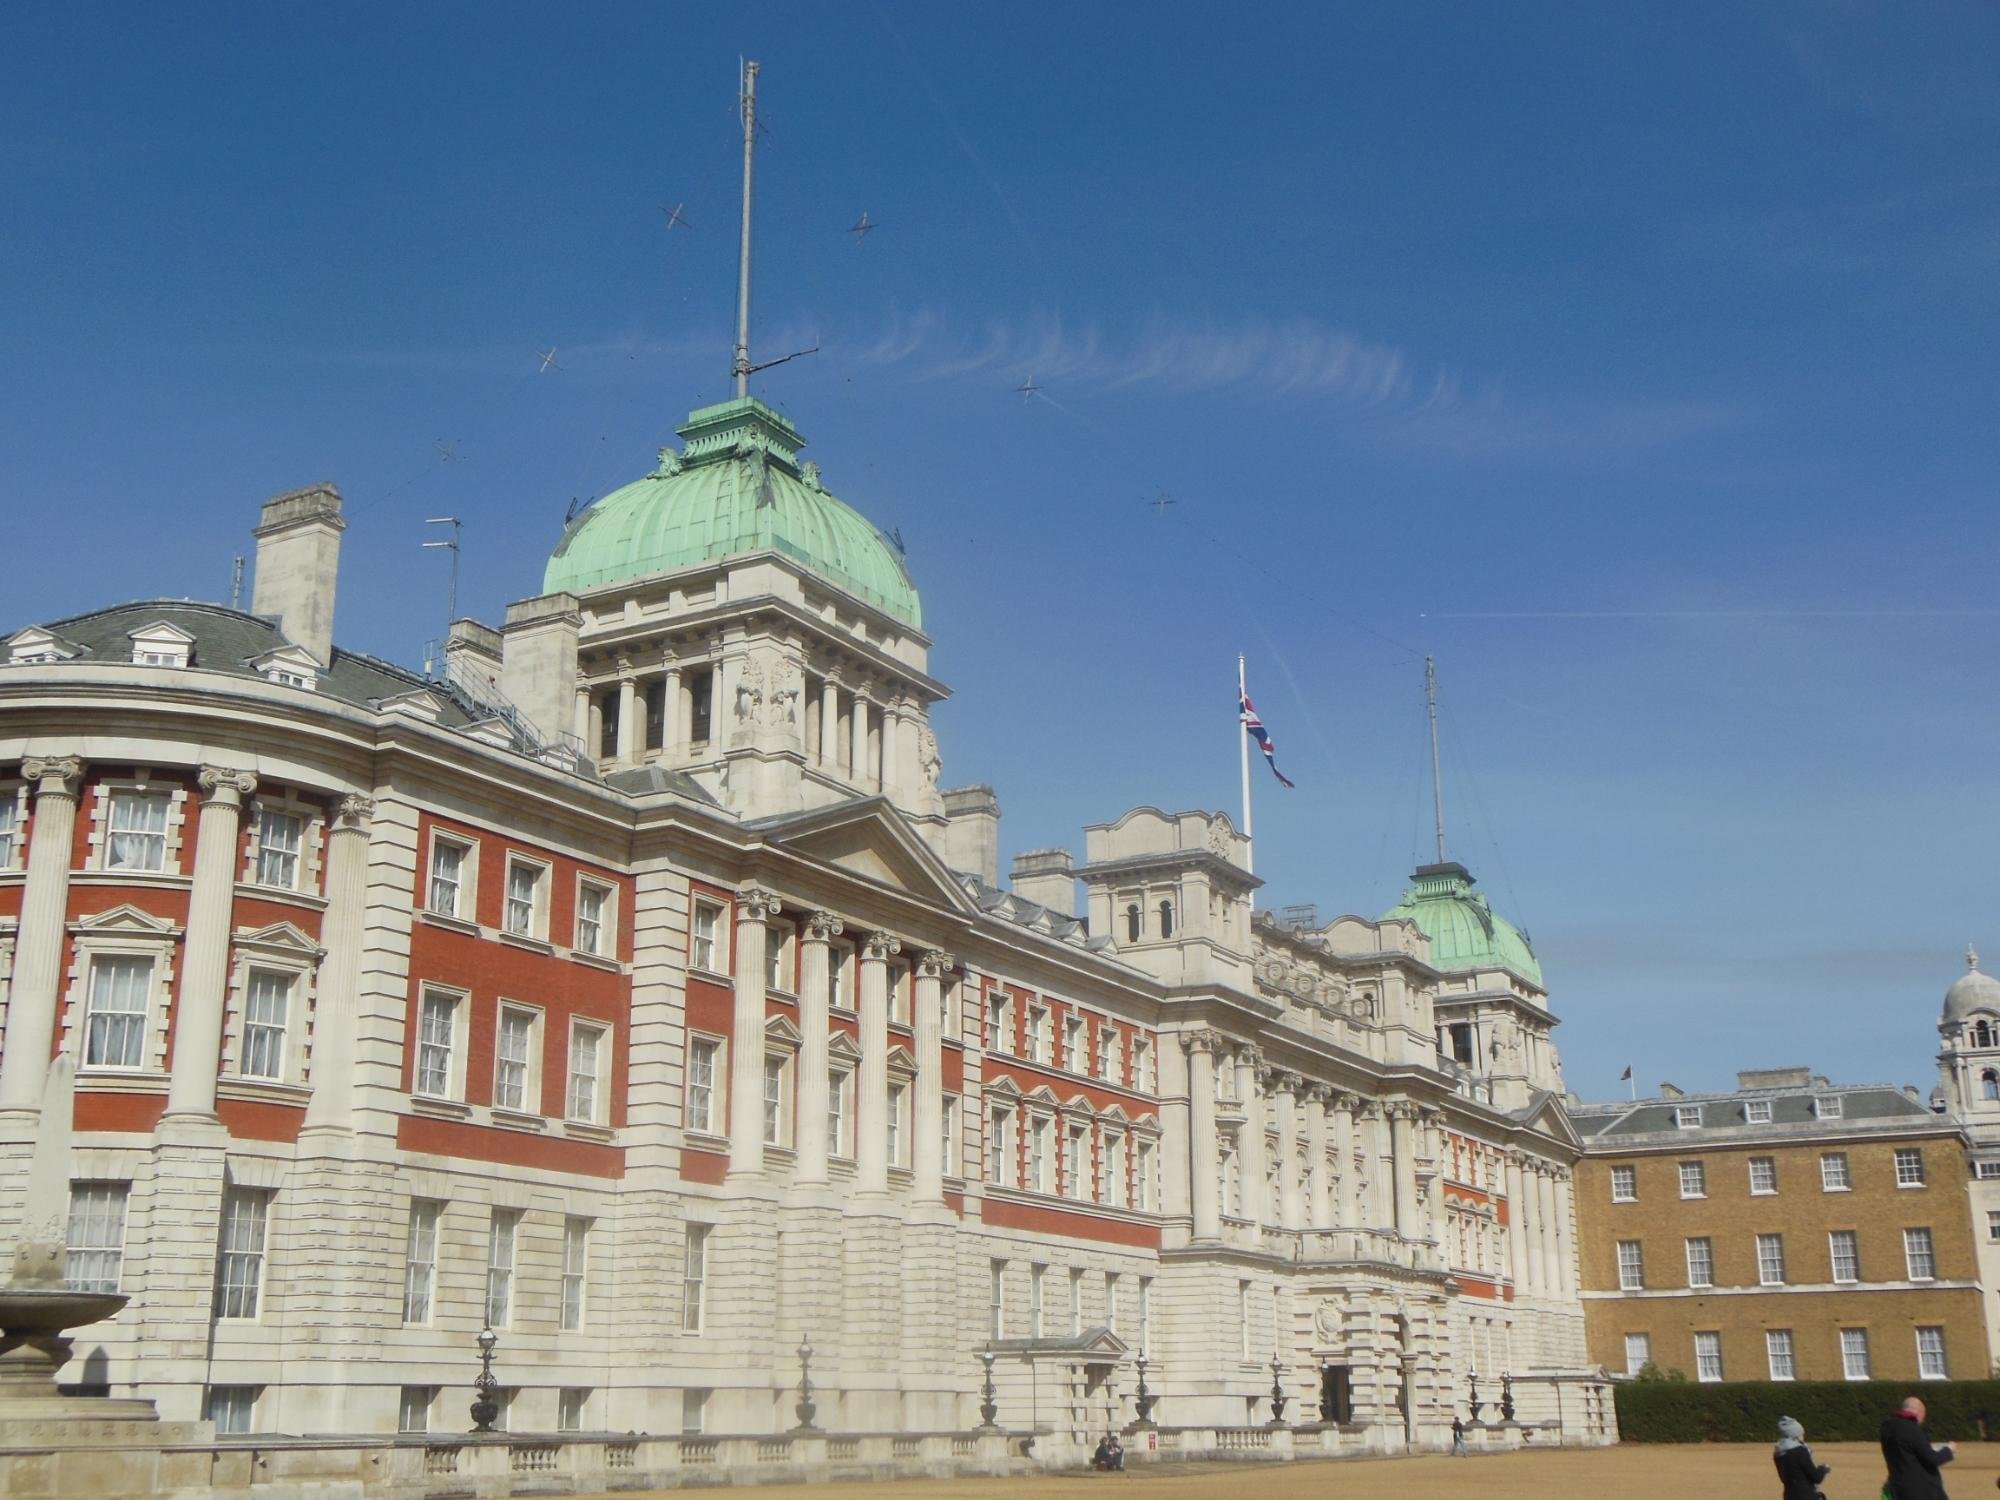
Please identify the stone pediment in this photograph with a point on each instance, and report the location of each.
(1097, 1345)
(126, 921)
(279, 937)
(869, 839)
(1546, 1116)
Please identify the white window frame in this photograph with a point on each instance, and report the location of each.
(1780, 1356)
(1037, 1287)
(117, 797)
(590, 1043)
(1770, 1260)
(1856, 1362)
(840, 989)
(420, 1255)
(777, 947)
(1146, 1315)
(1115, 1153)
(1834, 1245)
(900, 1096)
(1146, 1166)
(529, 1101)
(456, 1006)
(575, 1273)
(996, 1299)
(1105, 1063)
(1708, 1356)
(231, 1408)
(1144, 1079)
(243, 1241)
(463, 882)
(533, 922)
(694, 1277)
(13, 818)
(702, 1098)
(1631, 1266)
(1695, 1172)
(954, 1159)
(1111, 1288)
(1910, 1171)
(999, 1021)
(1076, 1173)
(1642, 1344)
(263, 852)
(840, 1112)
(1075, 1041)
(1919, 1253)
(94, 1244)
(1757, 1112)
(264, 1053)
(605, 945)
(1700, 1250)
(1829, 1107)
(1835, 1174)
(1040, 1165)
(1624, 1184)
(1075, 1300)
(708, 932)
(776, 1098)
(572, 1407)
(101, 958)
(1041, 1036)
(1931, 1361)
(413, 1408)
(1687, 1116)
(503, 1250)
(1003, 1144)
(1769, 1186)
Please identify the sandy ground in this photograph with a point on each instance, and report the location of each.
(1721, 1471)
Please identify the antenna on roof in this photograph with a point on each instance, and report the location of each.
(451, 596)
(748, 95)
(1437, 780)
(236, 583)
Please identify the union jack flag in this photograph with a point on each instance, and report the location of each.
(1254, 727)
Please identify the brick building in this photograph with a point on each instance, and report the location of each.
(1790, 1230)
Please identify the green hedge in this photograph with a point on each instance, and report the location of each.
(1832, 1411)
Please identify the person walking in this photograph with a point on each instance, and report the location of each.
(1797, 1472)
(1913, 1459)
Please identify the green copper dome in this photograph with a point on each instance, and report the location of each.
(738, 487)
(1465, 932)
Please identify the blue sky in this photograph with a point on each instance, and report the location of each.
(1636, 361)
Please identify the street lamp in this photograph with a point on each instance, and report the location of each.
(1472, 1397)
(1278, 1396)
(1507, 1395)
(1144, 1399)
(485, 1404)
(989, 1404)
(806, 1406)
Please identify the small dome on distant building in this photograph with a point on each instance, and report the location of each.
(1973, 991)
(1466, 934)
(737, 488)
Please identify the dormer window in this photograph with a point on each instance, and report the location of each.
(289, 666)
(1687, 1116)
(1828, 1107)
(35, 645)
(161, 645)
(1757, 1112)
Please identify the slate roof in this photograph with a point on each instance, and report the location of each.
(1863, 1107)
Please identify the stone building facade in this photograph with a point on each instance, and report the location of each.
(1792, 1229)
(1969, 1090)
(636, 989)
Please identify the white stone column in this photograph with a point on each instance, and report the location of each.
(1545, 1224)
(857, 767)
(1403, 1152)
(1431, 1134)
(754, 907)
(205, 960)
(673, 729)
(628, 713)
(927, 1164)
(815, 1028)
(1531, 1227)
(581, 723)
(1348, 1211)
(1291, 1210)
(1517, 1239)
(829, 723)
(1250, 1147)
(1566, 1282)
(1204, 1164)
(871, 1104)
(337, 1003)
(1319, 1199)
(38, 944)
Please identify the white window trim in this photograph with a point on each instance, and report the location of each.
(99, 838)
(121, 933)
(1701, 1177)
(581, 1276)
(1833, 1258)
(1791, 1353)
(1720, 1372)
(1763, 1192)
(720, 943)
(461, 1015)
(840, 1081)
(511, 1269)
(1909, 1257)
(437, 1207)
(537, 930)
(1867, 1356)
(1943, 1352)
(600, 1035)
(123, 1190)
(263, 1253)
(694, 1288)
(298, 1020)
(1923, 1169)
(14, 794)
(468, 876)
(714, 1128)
(607, 922)
(779, 1050)
(1846, 1183)
(1630, 1184)
(532, 1089)
(312, 840)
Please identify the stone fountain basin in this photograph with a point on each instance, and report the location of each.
(46, 1310)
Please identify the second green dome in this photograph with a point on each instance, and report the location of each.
(1465, 932)
(736, 488)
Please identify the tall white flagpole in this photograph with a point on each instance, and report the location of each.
(1243, 745)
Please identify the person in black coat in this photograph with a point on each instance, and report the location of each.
(1913, 1459)
(1797, 1472)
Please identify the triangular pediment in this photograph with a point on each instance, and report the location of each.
(128, 920)
(870, 840)
(843, 1046)
(779, 1029)
(1546, 1116)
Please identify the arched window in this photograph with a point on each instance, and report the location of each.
(1166, 919)
(1982, 1034)
(1132, 924)
(1989, 1085)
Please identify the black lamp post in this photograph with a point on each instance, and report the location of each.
(989, 1403)
(1143, 1399)
(485, 1404)
(806, 1407)
(1278, 1396)
(1507, 1395)
(1472, 1398)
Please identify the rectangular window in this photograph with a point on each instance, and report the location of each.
(1624, 1184)
(1833, 1176)
(413, 1408)
(1778, 1353)
(575, 1271)
(447, 875)
(1041, 1036)
(114, 1032)
(1036, 1276)
(420, 1260)
(774, 1100)
(954, 1165)
(694, 1278)
(278, 838)
(1111, 1301)
(10, 827)
(1930, 1354)
(1987, 1169)
(996, 1300)
(1757, 1112)
(705, 951)
(1708, 1356)
(1038, 1156)
(1146, 1315)
(1843, 1247)
(1243, 1320)
(232, 1408)
(1770, 1260)
(94, 1248)
(1076, 1157)
(899, 1125)
(501, 1234)
(1993, 1224)
(702, 1054)
(1638, 1352)
(138, 831)
(593, 919)
(1631, 1266)
(584, 1099)
(1075, 1302)
(999, 1022)
(1909, 1167)
(1763, 1174)
(1854, 1363)
(571, 1403)
(774, 959)
(1687, 1116)
(1142, 1065)
(1073, 1048)
(265, 1010)
(837, 961)
(1107, 1053)
(836, 1113)
(1694, 1180)
(694, 1403)
(1828, 1107)
(1701, 1262)
(1000, 1146)
(514, 1060)
(521, 914)
(1114, 1170)
(437, 1026)
(1146, 1196)
(239, 1272)
(1919, 1259)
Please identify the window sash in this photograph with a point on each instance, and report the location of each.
(591, 902)
(1930, 1354)
(1700, 1262)
(1844, 1248)
(94, 1248)
(265, 1010)
(1919, 1255)
(1770, 1260)
(114, 1034)
(137, 829)
(575, 1272)
(420, 1262)
(1763, 1174)
(1778, 1353)
(707, 926)
(701, 1086)
(279, 836)
(516, 1045)
(1624, 1185)
(447, 871)
(586, 1045)
(500, 1235)
(694, 1277)
(1708, 1356)
(774, 1101)
(524, 882)
(10, 826)
(436, 1023)
(1638, 1352)
(1833, 1172)
(1854, 1361)
(836, 1112)
(240, 1269)
(1694, 1180)
(1909, 1167)
(1631, 1265)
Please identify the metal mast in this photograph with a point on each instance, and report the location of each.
(741, 368)
(1437, 779)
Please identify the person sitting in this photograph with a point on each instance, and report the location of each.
(1110, 1455)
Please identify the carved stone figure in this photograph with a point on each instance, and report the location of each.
(928, 761)
(749, 692)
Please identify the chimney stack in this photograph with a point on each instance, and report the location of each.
(298, 563)
(538, 664)
(1045, 877)
(970, 838)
